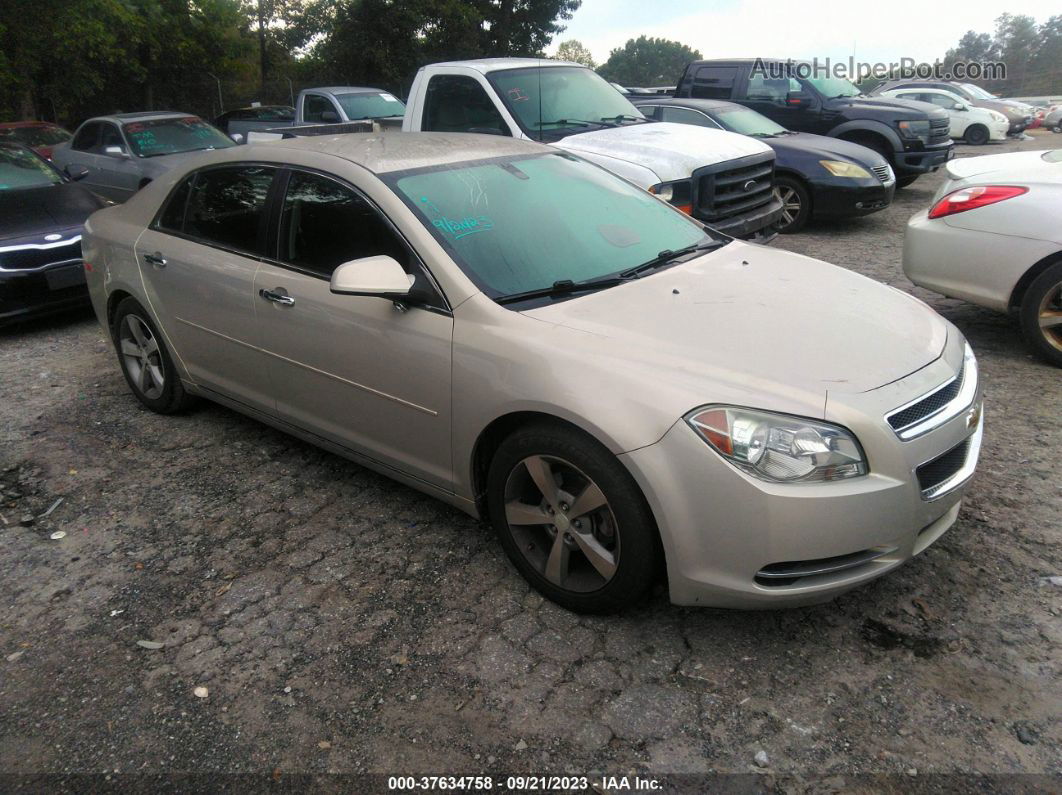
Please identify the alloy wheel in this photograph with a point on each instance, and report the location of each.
(562, 524)
(142, 357)
(1050, 316)
(790, 203)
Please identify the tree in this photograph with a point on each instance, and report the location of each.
(573, 50)
(648, 62)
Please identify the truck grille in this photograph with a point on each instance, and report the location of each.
(30, 258)
(939, 130)
(884, 173)
(725, 190)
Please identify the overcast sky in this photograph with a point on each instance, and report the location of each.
(919, 29)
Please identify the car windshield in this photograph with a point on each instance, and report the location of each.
(36, 136)
(524, 223)
(977, 91)
(170, 136)
(747, 122)
(545, 99)
(20, 168)
(374, 105)
(834, 87)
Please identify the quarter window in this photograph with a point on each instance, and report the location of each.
(227, 206)
(172, 217)
(456, 103)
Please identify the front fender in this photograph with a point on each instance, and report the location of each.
(869, 125)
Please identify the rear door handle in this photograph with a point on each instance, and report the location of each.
(277, 297)
(155, 259)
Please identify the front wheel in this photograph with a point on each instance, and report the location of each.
(796, 204)
(976, 134)
(1041, 315)
(572, 519)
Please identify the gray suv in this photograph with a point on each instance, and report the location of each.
(117, 155)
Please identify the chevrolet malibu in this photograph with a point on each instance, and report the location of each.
(620, 391)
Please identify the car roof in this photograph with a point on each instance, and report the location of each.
(690, 102)
(485, 65)
(148, 115)
(347, 90)
(399, 151)
(11, 125)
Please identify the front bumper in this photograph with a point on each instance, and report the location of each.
(751, 224)
(726, 533)
(848, 198)
(922, 161)
(26, 294)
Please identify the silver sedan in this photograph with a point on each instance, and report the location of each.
(620, 391)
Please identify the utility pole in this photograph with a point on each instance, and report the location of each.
(263, 65)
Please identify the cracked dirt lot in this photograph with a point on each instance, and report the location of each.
(341, 622)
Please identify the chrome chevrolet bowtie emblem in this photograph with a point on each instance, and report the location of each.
(974, 416)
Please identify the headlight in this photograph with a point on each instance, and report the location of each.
(841, 169)
(915, 129)
(778, 447)
(677, 194)
(997, 116)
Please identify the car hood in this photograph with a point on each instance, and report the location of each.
(824, 147)
(897, 108)
(750, 315)
(672, 151)
(1011, 165)
(36, 211)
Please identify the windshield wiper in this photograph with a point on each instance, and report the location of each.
(565, 123)
(563, 287)
(667, 256)
(761, 135)
(623, 117)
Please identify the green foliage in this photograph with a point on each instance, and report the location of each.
(648, 62)
(573, 50)
(1031, 52)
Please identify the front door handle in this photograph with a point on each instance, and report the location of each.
(155, 259)
(276, 296)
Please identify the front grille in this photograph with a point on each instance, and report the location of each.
(927, 406)
(932, 473)
(22, 259)
(884, 173)
(725, 191)
(939, 130)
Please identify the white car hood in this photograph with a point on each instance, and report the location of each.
(672, 151)
(749, 315)
(1012, 165)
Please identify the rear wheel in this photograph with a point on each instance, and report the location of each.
(1041, 315)
(572, 519)
(976, 134)
(145, 361)
(796, 204)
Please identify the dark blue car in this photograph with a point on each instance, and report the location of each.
(815, 176)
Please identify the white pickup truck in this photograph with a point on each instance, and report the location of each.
(721, 178)
(718, 177)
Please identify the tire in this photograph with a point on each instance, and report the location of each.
(903, 182)
(796, 204)
(976, 134)
(1043, 302)
(145, 360)
(597, 561)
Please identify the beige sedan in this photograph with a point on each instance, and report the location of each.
(623, 393)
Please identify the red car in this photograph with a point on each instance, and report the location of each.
(40, 136)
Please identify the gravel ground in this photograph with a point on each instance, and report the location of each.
(337, 621)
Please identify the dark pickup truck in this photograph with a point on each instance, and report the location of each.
(912, 136)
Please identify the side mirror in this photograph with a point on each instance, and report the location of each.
(380, 276)
(114, 151)
(237, 137)
(76, 172)
(798, 99)
(329, 117)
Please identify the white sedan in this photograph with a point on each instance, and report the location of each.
(972, 124)
(992, 237)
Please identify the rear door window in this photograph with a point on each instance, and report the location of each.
(227, 207)
(714, 82)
